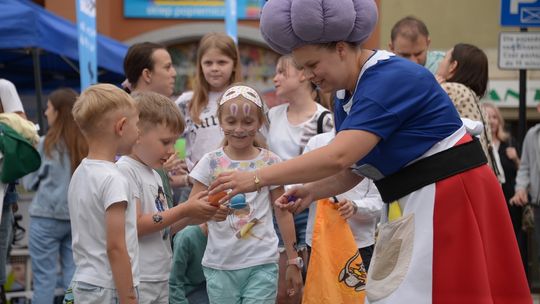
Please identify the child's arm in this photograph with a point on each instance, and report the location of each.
(183, 222)
(286, 227)
(195, 210)
(117, 252)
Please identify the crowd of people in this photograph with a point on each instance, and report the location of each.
(423, 173)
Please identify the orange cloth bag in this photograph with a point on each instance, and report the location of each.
(335, 274)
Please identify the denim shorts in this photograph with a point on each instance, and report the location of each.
(300, 226)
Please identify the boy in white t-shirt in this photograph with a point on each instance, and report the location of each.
(160, 124)
(103, 216)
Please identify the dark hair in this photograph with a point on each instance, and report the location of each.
(472, 68)
(138, 58)
(409, 27)
(64, 133)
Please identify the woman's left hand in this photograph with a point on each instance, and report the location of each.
(236, 181)
(293, 277)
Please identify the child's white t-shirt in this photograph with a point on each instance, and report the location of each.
(11, 102)
(94, 187)
(288, 140)
(228, 248)
(155, 254)
(365, 196)
(204, 137)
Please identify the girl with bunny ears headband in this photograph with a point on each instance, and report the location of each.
(241, 254)
(396, 126)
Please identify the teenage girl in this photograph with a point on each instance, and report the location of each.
(291, 126)
(218, 66)
(62, 149)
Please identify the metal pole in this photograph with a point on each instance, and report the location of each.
(522, 102)
(37, 83)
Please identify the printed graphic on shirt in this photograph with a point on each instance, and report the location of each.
(160, 202)
(242, 220)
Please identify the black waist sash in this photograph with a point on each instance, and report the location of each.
(431, 169)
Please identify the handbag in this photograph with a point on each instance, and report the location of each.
(19, 156)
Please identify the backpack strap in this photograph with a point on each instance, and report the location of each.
(320, 122)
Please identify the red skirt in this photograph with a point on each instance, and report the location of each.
(454, 244)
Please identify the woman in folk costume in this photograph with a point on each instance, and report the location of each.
(449, 238)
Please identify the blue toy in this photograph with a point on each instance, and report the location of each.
(238, 201)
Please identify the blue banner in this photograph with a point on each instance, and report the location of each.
(86, 25)
(231, 19)
(189, 9)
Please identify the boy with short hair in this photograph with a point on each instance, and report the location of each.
(103, 215)
(160, 123)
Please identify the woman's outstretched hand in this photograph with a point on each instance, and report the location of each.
(295, 200)
(236, 181)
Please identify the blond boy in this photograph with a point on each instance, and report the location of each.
(160, 123)
(103, 216)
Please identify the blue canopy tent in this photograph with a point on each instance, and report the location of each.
(39, 51)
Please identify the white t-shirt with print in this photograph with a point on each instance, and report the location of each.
(204, 137)
(284, 138)
(365, 196)
(155, 254)
(94, 187)
(228, 248)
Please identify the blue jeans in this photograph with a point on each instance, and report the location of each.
(6, 230)
(49, 243)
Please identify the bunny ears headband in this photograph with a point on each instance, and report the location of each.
(244, 91)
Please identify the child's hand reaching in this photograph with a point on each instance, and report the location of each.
(176, 171)
(175, 165)
(221, 214)
(293, 276)
(199, 208)
(346, 208)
